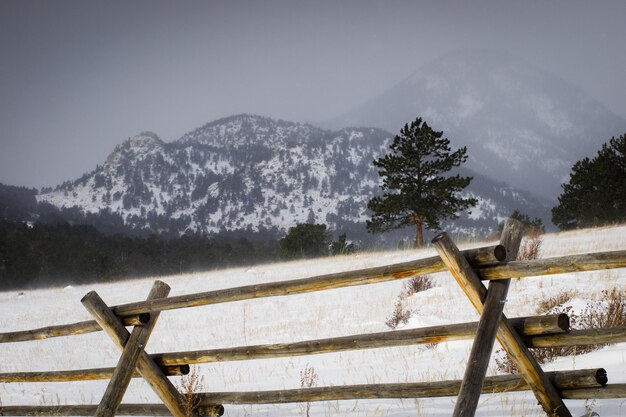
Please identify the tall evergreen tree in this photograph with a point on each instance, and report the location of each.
(596, 191)
(417, 188)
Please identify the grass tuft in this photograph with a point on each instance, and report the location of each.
(190, 385)
(609, 311)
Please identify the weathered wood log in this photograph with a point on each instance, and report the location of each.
(468, 280)
(488, 255)
(517, 269)
(176, 362)
(541, 325)
(610, 391)
(82, 374)
(306, 285)
(81, 327)
(89, 410)
(478, 361)
(426, 335)
(579, 378)
(557, 265)
(127, 363)
(492, 385)
(148, 369)
(578, 338)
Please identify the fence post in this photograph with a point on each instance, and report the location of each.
(512, 343)
(148, 369)
(482, 347)
(130, 355)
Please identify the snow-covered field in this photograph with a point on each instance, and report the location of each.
(324, 314)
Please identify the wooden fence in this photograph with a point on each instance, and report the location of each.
(469, 268)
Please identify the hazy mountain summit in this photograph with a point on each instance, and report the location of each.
(254, 173)
(520, 124)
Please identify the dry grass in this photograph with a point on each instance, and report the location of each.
(401, 314)
(609, 311)
(308, 379)
(189, 386)
(547, 305)
(531, 246)
(416, 284)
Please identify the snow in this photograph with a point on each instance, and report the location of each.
(546, 111)
(340, 312)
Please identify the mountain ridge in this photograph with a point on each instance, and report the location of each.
(248, 172)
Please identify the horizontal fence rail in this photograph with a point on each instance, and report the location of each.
(574, 338)
(591, 382)
(571, 380)
(488, 270)
(90, 410)
(177, 363)
(93, 374)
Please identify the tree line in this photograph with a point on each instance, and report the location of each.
(35, 255)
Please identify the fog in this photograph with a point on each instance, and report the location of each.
(77, 78)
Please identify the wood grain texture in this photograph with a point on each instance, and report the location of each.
(148, 369)
(512, 343)
(610, 391)
(425, 335)
(89, 410)
(81, 374)
(127, 363)
(578, 338)
(497, 384)
(556, 265)
(478, 361)
(177, 363)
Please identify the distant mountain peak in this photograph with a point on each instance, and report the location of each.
(143, 141)
(243, 129)
(520, 123)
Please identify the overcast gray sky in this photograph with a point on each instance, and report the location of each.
(79, 77)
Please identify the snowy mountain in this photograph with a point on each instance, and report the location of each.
(254, 173)
(520, 124)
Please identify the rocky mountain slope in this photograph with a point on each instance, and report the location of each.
(254, 173)
(522, 125)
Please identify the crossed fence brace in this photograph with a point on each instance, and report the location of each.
(134, 358)
(494, 324)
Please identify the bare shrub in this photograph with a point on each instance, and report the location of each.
(412, 286)
(400, 314)
(531, 245)
(189, 387)
(609, 311)
(308, 379)
(416, 284)
(546, 305)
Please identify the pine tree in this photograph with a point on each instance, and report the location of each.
(596, 191)
(304, 241)
(416, 187)
(529, 225)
